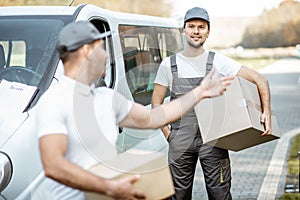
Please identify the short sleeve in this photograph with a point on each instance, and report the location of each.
(114, 102)
(226, 66)
(121, 106)
(164, 75)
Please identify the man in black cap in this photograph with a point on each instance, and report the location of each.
(77, 124)
(181, 73)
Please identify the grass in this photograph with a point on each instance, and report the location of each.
(256, 63)
(293, 169)
(291, 196)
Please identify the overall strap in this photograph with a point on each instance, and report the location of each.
(210, 60)
(173, 63)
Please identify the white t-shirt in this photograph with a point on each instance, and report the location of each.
(88, 117)
(194, 67)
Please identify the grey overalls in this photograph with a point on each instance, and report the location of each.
(185, 147)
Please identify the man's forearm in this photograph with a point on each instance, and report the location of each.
(175, 109)
(161, 115)
(73, 176)
(264, 92)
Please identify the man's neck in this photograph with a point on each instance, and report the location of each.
(192, 52)
(78, 74)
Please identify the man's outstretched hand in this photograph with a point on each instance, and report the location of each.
(215, 87)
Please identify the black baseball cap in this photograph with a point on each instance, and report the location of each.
(196, 13)
(77, 34)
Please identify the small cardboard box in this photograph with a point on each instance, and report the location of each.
(232, 121)
(155, 181)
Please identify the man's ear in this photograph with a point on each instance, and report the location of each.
(207, 35)
(86, 50)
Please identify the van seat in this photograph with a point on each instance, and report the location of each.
(131, 57)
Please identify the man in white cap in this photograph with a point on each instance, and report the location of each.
(73, 117)
(181, 73)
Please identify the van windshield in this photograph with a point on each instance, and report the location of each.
(27, 47)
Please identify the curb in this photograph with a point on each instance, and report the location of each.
(274, 172)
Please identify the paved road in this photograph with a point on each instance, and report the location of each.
(251, 168)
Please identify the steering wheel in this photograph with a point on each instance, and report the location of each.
(18, 74)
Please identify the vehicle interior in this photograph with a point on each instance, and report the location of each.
(143, 50)
(26, 48)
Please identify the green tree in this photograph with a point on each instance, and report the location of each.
(278, 27)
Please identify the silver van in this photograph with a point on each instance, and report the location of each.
(29, 65)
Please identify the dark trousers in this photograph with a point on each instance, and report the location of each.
(215, 164)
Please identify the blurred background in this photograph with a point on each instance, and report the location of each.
(243, 29)
(256, 34)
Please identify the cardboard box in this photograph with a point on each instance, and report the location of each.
(155, 181)
(232, 121)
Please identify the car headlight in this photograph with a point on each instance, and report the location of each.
(5, 171)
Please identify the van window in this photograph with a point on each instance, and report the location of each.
(26, 46)
(18, 52)
(143, 50)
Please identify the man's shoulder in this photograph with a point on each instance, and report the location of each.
(103, 90)
(219, 55)
(55, 94)
(165, 63)
(106, 93)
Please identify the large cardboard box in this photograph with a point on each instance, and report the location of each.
(232, 121)
(155, 181)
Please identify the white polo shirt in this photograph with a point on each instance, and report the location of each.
(88, 117)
